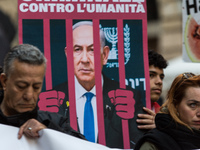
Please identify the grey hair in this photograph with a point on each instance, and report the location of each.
(24, 53)
(90, 23)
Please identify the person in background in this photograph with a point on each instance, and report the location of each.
(22, 79)
(157, 64)
(178, 122)
(7, 34)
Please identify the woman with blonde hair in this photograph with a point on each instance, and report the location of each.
(178, 122)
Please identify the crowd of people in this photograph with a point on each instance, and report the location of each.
(174, 125)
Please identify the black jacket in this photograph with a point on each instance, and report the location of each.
(169, 135)
(49, 119)
(112, 122)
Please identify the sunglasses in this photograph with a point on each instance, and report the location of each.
(187, 75)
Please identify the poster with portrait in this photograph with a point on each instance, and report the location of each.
(98, 46)
(191, 30)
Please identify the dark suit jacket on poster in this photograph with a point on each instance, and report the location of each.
(113, 123)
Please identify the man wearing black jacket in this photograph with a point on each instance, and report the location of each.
(22, 79)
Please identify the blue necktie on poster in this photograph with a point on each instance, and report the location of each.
(89, 132)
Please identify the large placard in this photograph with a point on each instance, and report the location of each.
(121, 77)
(191, 30)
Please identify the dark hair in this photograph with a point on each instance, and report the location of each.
(7, 34)
(1, 69)
(23, 53)
(157, 60)
(7, 26)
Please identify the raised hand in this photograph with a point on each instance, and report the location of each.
(147, 121)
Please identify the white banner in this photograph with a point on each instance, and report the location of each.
(49, 140)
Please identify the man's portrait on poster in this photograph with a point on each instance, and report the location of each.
(117, 103)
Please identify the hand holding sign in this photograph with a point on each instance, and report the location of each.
(124, 102)
(51, 100)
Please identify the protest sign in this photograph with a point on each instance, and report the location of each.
(47, 24)
(191, 30)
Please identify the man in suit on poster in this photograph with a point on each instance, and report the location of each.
(117, 103)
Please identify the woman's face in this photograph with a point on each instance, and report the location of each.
(189, 108)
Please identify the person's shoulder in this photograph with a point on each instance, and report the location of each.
(147, 146)
(159, 139)
(42, 112)
(147, 140)
(46, 115)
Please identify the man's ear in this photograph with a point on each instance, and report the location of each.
(105, 54)
(3, 79)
